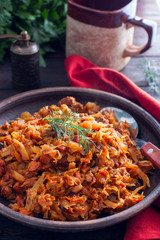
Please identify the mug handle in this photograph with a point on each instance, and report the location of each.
(151, 29)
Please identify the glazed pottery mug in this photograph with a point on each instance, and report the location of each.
(102, 31)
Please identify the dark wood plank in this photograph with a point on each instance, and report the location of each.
(15, 231)
(55, 75)
(135, 71)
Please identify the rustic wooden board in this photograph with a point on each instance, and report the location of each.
(54, 75)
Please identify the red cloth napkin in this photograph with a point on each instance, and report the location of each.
(144, 226)
(83, 73)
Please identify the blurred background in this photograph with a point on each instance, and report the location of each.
(45, 21)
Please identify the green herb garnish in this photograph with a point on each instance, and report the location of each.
(152, 75)
(65, 127)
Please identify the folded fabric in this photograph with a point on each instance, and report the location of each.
(144, 226)
(82, 73)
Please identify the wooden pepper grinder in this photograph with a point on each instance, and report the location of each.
(25, 62)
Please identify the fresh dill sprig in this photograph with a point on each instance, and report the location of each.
(152, 75)
(63, 124)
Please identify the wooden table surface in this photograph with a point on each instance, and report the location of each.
(54, 75)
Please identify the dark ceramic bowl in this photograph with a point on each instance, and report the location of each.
(32, 101)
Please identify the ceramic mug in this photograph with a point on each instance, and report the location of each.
(102, 31)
